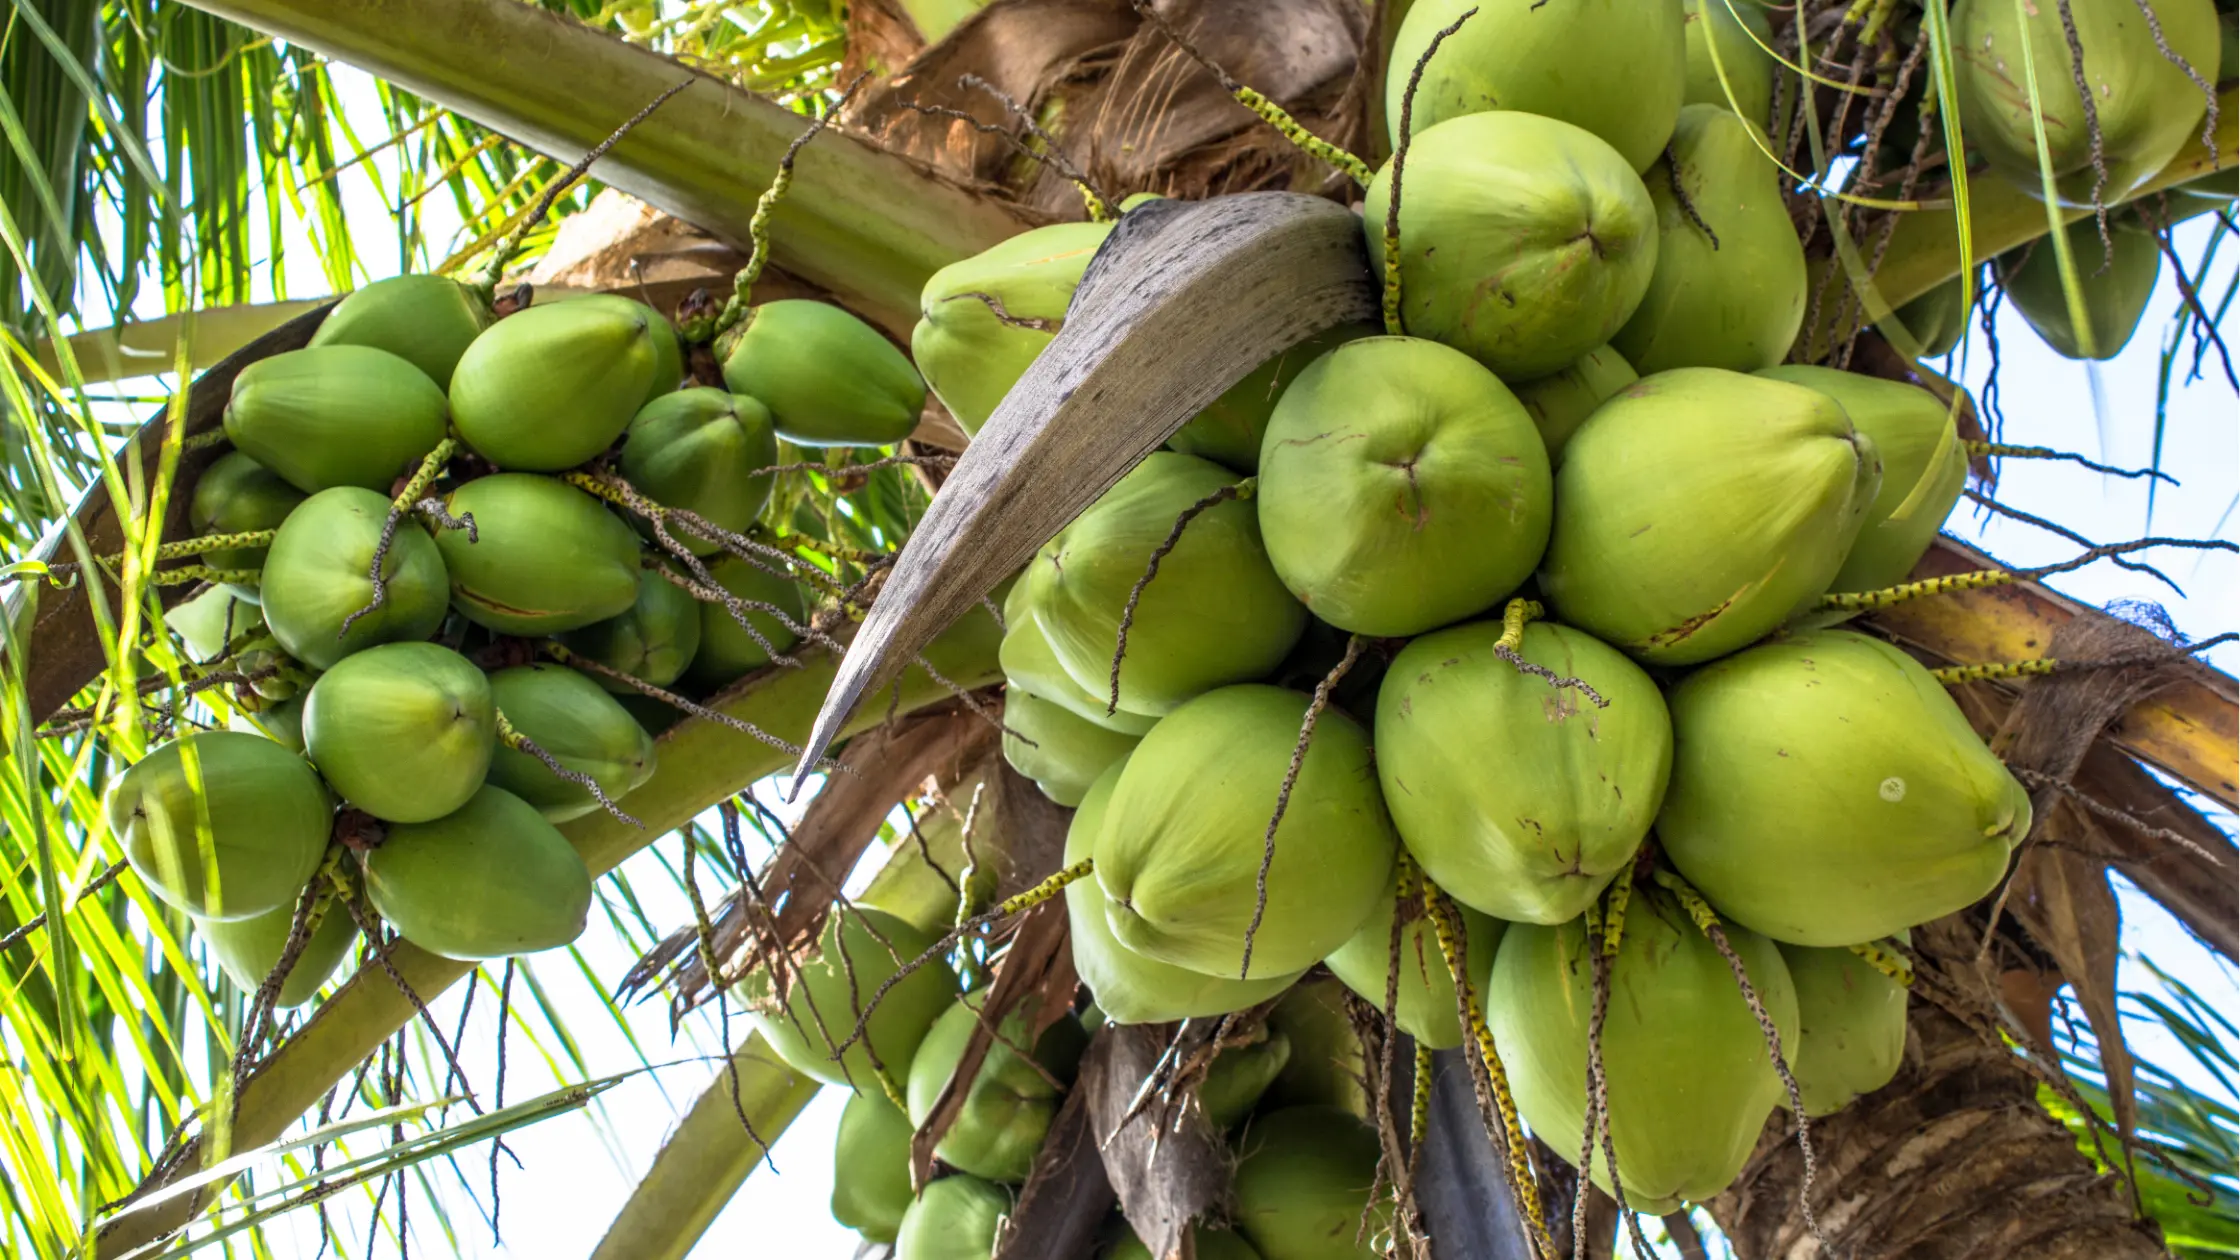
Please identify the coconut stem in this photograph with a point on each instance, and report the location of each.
(1241, 490)
(1419, 1106)
(1888, 962)
(2005, 450)
(189, 574)
(1315, 707)
(1513, 621)
(1605, 930)
(1394, 323)
(758, 227)
(703, 938)
(1954, 675)
(1098, 206)
(511, 737)
(410, 496)
(566, 657)
(1870, 601)
(970, 895)
(208, 542)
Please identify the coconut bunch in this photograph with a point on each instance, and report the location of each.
(469, 562)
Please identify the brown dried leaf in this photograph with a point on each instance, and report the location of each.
(1166, 1176)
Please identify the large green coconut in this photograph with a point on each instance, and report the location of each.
(704, 451)
(828, 378)
(585, 729)
(1524, 241)
(1700, 508)
(2114, 299)
(247, 950)
(1231, 428)
(1938, 319)
(1690, 1082)
(871, 1166)
(1030, 664)
(1240, 1075)
(1180, 853)
(982, 321)
(549, 387)
(1210, 1244)
(319, 572)
(1827, 790)
(1009, 1105)
(1526, 58)
(237, 495)
(335, 416)
(1852, 1022)
(1216, 613)
(237, 806)
(668, 348)
(403, 731)
(2147, 107)
(1066, 753)
(428, 321)
(1402, 487)
(1129, 987)
(653, 641)
(1728, 65)
(1735, 302)
(1304, 1175)
(819, 1010)
(1519, 798)
(955, 1219)
(1425, 1000)
(491, 879)
(1924, 467)
(773, 607)
(1561, 402)
(543, 557)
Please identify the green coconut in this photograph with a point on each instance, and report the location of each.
(704, 451)
(1689, 1081)
(1240, 1075)
(1517, 57)
(237, 495)
(1826, 789)
(828, 378)
(1303, 1183)
(1852, 1028)
(1402, 487)
(224, 803)
(1066, 754)
(206, 623)
(543, 556)
(1425, 1000)
(653, 642)
(2114, 299)
(247, 950)
(1131, 988)
(1735, 303)
(668, 348)
(1009, 1105)
(955, 1219)
(1184, 832)
(1030, 664)
(1699, 509)
(335, 416)
(1210, 1244)
(1561, 402)
(491, 879)
(1327, 1067)
(281, 720)
(1728, 65)
(1230, 430)
(1924, 467)
(572, 717)
(549, 387)
(1216, 613)
(860, 950)
(1524, 241)
(773, 607)
(982, 321)
(871, 1167)
(403, 731)
(2146, 106)
(1938, 319)
(319, 572)
(428, 321)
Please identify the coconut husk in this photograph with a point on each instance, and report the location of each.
(1168, 1171)
(1067, 1196)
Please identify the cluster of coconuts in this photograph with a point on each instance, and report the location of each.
(412, 709)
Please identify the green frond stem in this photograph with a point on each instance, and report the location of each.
(1042, 892)
(1309, 143)
(1419, 1106)
(2002, 671)
(758, 228)
(431, 467)
(1885, 960)
(188, 575)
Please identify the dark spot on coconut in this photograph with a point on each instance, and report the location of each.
(1639, 532)
(1686, 628)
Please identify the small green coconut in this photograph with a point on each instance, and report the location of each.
(428, 321)
(491, 879)
(281, 720)
(403, 731)
(319, 572)
(543, 557)
(1699, 509)
(1826, 789)
(2114, 298)
(206, 623)
(828, 378)
(1425, 1005)
(1524, 242)
(1689, 1081)
(1728, 62)
(773, 606)
(1216, 612)
(828, 992)
(335, 416)
(653, 641)
(1303, 1185)
(1030, 664)
(1852, 1028)
(982, 321)
(247, 950)
(226, 804)
(1402, 487)
(1561, 402)
(706, 452)
(1066, 754)
(1733, 302)
(238, 495)
(1327, 1067)
(585, 729)
(1938, 319)
(871, 1167)
(1009, 1105)
(1924, 468)
(1184, 833)
(1231, 429)
(955, 1219)
(1239, 1076)
(549, 387)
